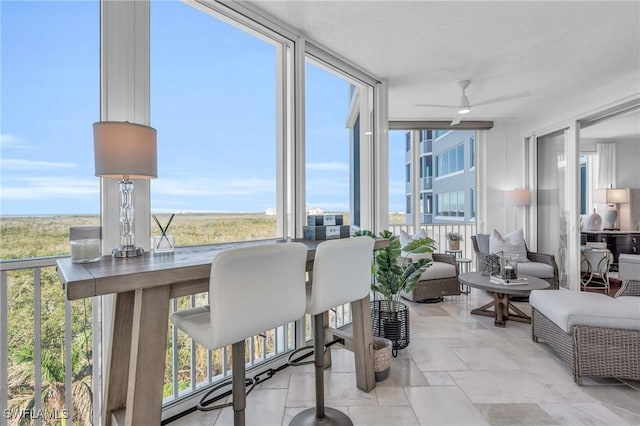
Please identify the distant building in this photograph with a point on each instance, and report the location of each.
(447, 162)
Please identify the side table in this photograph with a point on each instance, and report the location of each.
(464, 264)
(456, 253)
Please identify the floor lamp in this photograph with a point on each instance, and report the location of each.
(516, 198)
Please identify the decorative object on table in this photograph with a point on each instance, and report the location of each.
(518, 197)
(612, 197)
(325, 232)
(325, 219)
(125, 151)
(392, 275)
(85, 244)
(165, 242)
(454, 239)
(382, 349)
(593, 222)
(489, 264)
(508, 266)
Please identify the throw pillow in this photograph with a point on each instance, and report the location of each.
(511, 244)
(405, 239)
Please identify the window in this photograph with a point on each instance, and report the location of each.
(450, 161)
(451, 204)
(202, 118)
(333, 150)
(472, 149)
(472, 201)
(50, 96)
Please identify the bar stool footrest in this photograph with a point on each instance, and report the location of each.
(204, 405)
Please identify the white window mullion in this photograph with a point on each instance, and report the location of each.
(124, 93)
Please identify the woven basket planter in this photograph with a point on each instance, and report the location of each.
(391, 321)
(381, 357)
(454, 244)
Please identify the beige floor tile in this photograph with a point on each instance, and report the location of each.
(591, 413)
(506, 387)
(485, 359)
(380, 416)
(403, 372)
(434, 355)
(443, 405)
(512, 414)
(439, 378)
(265, 407)
(340, 390)
(391, 396)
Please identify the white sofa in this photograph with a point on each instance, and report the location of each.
(597, 335)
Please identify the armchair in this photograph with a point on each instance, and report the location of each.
(540, 265)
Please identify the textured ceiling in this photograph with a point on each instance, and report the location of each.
(555, 50)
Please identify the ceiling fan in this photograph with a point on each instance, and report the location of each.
(464, 106)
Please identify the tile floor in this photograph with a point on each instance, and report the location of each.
(457, 370)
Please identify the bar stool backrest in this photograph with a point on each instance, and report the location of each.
(254, 289)
(341, 273)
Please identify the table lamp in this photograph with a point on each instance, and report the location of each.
(611, 196)
(125, 151)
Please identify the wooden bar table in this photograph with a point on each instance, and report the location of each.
(143, 287)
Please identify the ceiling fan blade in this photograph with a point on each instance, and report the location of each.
(456, 120)
(437, 106)
(503, 98)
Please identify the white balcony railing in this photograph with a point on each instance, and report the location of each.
(26, 389)
(439, 233)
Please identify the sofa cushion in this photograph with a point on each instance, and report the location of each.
(510, 244)
(438, 270)
(535, 269)
(633, 300)
(567, 309)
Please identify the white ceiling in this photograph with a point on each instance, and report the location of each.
(556, 50)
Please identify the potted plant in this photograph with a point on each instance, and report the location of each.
(394, 273)
(454, 239)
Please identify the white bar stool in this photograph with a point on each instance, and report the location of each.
(251, 289)
(341, 274)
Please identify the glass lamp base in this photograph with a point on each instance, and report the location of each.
(127, 252)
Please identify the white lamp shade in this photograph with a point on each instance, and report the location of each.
(517, 197)
(123, 149)
(611, 195)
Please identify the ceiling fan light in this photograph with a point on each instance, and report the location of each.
(464, 110)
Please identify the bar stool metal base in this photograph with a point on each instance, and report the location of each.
(331, 417)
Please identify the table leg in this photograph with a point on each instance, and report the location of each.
(501, 309)
(363, 344)
(118, 358)
(148, 354)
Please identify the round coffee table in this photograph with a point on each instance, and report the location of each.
(503, 310)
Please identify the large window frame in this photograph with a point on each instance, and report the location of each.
(125, 70)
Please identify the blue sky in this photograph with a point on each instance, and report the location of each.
(212, 102)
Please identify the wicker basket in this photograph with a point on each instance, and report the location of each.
(381, 357)
(391, 321)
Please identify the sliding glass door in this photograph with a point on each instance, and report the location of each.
(552, 219)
